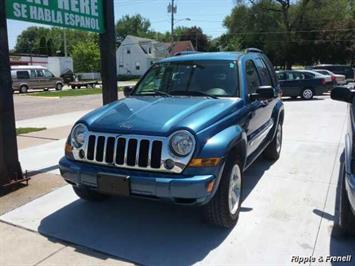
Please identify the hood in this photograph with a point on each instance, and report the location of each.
(159, 115)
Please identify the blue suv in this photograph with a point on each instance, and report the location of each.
(185, 133)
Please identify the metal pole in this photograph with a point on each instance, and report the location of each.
(172, 20)
(10, 168)
(65, 43)
(108, 55)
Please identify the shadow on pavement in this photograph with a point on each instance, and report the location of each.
(340, 244)
(145, 232)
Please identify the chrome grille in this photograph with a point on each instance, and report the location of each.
(137, 152)
(125, 152)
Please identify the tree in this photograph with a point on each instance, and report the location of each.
(286, 29)
(133, 25)
(195, 35)
(50, 41)
(86, 57)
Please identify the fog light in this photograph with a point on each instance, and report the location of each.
(169, 164)
(82, 154)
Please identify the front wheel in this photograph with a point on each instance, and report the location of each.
(307, 94)
(59, 87)
(88, 194)
(223, 209)
(272, 152)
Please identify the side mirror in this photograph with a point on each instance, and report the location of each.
(342, 94)
(263, 93)
(127, 91)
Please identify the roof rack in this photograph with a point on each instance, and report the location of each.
(186, 53)
(253, 50)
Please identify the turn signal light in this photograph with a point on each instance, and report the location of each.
(210, 186)
(206, 162)
(68, 150)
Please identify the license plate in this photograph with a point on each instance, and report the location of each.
(114, 184)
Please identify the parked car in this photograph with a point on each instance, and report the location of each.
(346, 220)
(186, 133)
(25, 78)
(345, 70)
(336, 78)
(302, 83)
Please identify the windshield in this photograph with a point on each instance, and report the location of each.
(192, 78)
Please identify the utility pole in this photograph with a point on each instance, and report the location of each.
(172, 8)
(108, 55)
(65, 43)
(10, 168)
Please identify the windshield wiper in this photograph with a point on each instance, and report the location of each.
(193, 93)
(161, 93)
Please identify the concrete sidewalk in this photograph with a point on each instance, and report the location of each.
(288, 210)
(39, 153)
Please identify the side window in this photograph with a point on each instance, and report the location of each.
(298, 75)
(33, 74)
(40, 73)
(271, 70)
(263, 72)
(289, 76)
(48, 74)
(281, 76)
(23, 75)
(252, 77)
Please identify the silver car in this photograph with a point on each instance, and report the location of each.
(25, 78)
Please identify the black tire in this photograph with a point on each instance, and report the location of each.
(59, 87)
(346, 217)
(273, 150)
(88, 194)
(217, 211)
(307, 94)
(46, 89)
(23, 89)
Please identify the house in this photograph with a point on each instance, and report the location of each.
(180, 46)
(135, 55)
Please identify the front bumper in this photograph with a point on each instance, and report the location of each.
(191, 190)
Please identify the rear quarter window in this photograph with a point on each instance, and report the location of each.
(23, 75)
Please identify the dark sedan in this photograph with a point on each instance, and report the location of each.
(303, 83)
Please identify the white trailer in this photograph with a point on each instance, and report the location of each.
(60, 65)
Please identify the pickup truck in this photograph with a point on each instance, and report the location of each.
(185, 134)
(346, 218)
(305, 84)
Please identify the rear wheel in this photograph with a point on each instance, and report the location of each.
(307, 94)
(346, 217)
(223, 209)
(272, 152)
(88, 194)
(23, 89)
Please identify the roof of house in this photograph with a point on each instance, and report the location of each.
(180, 46)
(159, 47)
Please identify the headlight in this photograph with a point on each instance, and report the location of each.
(182, 143)
(78, 135)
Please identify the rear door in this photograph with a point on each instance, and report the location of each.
(41, 81)
(260, 111)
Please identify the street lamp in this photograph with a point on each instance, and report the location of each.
(176, 22)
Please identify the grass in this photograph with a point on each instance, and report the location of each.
(69, 93)
(26, 130)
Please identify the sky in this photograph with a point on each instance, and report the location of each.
(207, 14)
